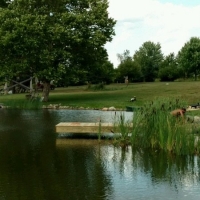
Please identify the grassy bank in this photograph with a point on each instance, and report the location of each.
(117, 95)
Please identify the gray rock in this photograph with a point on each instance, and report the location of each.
(112, 109)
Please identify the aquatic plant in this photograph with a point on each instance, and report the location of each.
(24, 104)
(154, 127)
(122, 130)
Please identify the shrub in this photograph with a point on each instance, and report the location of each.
(100, 86)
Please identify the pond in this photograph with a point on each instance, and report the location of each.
(35, 163)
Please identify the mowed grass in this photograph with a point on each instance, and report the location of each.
(117, 95)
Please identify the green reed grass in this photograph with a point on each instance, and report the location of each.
(154, 127)
(24, 104)
(124, 129)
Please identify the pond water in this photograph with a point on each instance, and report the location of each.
(37, 164)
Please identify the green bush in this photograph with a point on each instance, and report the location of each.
(99, 86)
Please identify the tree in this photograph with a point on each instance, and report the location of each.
(149, 58)
(4, 3)
(169, 70)
(46, 38)
(189, 57)
(104, 73)
(124, 56)
(128, 68)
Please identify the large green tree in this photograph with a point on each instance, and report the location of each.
(149, 57)
(169, 69)
(128, 68)
(46, 38)
(104, 73)
(189, 57)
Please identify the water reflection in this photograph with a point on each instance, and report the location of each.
(91, 115)
(35, 164)
(152, 175)
(81, 169)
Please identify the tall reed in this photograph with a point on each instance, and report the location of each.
(122, 130)
(154, 127)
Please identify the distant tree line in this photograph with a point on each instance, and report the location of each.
(148, 63)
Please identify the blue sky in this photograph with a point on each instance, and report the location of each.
(182, 2)
(170, 22)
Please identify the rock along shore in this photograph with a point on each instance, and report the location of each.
(58, 106)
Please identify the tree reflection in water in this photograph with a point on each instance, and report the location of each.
(35, 164)
(154, 171)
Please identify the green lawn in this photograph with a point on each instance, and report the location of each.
(117, 95)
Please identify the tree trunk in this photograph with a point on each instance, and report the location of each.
(46, 90)
(195, 77)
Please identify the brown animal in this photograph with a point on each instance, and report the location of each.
(178, 112)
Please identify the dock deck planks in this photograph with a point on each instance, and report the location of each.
(84, 127)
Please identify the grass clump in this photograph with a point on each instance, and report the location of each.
(23, 104)
(96, 87)
(123, 129)
(154, 127)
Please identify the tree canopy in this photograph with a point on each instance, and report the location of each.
(189, 56)
(149, 57)
(169, 70)
(148, 63)
(47, 38)
(128, 68)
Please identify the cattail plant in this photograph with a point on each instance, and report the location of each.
(154, 127)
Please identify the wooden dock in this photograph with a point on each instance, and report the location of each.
(83, 127)
(63, 142)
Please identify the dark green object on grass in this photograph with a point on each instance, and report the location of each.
(132, 108)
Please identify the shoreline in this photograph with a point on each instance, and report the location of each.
(58, 106)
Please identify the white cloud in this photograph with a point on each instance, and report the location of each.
(139, 21)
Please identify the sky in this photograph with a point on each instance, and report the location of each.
(169, 22)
